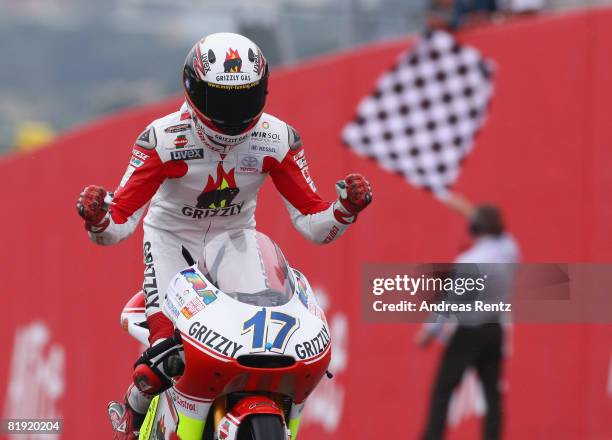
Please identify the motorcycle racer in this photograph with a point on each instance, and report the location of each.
(200, 169)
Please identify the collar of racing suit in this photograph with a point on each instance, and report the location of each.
(203, 138)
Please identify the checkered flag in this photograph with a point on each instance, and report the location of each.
(421, 119)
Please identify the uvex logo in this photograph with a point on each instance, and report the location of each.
(187, 154)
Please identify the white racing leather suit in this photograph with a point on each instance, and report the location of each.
(197, 189)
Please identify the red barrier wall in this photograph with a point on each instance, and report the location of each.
(544, 156)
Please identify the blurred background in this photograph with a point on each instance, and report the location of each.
(68, 61)
(80, 79)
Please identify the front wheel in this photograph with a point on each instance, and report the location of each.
(262, 427)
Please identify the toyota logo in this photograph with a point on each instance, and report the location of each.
(249, 161)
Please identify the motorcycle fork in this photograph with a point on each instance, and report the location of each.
(219, 411)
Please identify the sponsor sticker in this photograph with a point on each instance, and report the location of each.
(150, 280)
(233, 62)
(300, 160)
(229, 77)
(315, 346)
(177, 128)
(197, 153)
(249, 164)
(198, 213)
(258, 61)
(186, 404)
(192, 308)
(181, 297)
(264, 149)
(232, 68)
(139, 154)
(136, 162)
(217, 198)
(201, 62)
(171, 309)
(267, 136)
(200, 286)
(224, 431)
(214, 340)
(180, 141)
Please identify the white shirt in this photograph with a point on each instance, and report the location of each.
(491, 249)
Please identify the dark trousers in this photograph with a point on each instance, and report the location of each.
(479, 347)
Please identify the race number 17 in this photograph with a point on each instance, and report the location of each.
(270, 330)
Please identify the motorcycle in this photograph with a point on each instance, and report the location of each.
(251, 359)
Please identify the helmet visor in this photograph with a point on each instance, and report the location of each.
(232, 108)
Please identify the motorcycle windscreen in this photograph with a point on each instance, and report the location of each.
(249, 267)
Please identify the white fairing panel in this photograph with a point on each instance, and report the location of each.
(131, 320)
(226, 328)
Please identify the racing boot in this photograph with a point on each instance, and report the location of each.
(126, 422)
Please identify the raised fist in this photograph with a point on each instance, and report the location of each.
(93, 208)
(354, 193)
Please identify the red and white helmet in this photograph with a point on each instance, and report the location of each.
(225, 78)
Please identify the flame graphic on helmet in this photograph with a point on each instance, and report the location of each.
(231, 54)
(221, 190)
(233, 62)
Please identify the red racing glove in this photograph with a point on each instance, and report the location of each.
(354, 193)
(157, 365)
(93, 208)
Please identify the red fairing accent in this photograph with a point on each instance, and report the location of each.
(135, 302)
(291, 182)
(160, 327)
(255, 405)
(143, 183)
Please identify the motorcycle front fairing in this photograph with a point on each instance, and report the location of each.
(274, 342)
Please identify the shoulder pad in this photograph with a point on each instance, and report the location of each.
(295, 140)
(147, 139)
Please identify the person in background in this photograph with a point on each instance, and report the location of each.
(453, 14)
(477, 339)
